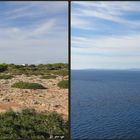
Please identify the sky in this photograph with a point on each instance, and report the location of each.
(33, 32)
(105, 35)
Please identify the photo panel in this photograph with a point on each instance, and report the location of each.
(105, 70)
(34, 70)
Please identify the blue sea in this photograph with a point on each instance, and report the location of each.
(105, 104)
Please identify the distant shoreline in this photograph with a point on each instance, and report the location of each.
(105, 69)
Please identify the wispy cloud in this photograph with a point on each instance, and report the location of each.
(44, 28)
(114, 38)
(115, 12)
(35, 30)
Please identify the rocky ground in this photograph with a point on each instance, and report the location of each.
(51, 99)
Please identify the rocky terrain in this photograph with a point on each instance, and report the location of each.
(50, 99)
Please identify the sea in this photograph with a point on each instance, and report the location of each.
(105, 104)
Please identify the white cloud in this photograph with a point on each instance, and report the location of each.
(44, 28)
(106, 52)
(105, 35)
(34, 32)
(120, 43)
(114, 12)
(34, 9)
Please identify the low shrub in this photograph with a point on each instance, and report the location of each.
(56, 66)
(63, 84)
(61, 72)
(6, 76)
(28, 124)
(48, 77)
(41, 69)
(3, 67)
(26, 85)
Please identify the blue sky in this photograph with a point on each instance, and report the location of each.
(33, 32)
(105, 35)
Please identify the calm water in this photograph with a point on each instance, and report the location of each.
(105, 104)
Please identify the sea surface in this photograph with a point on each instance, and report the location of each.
(105, 104)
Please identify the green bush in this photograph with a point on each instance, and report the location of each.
(3, 67)
(6, 76)
(56, 66)
(41, 69)
(48, 77)
(28, 124)
(26, 85)
(61, 72)
(63, 84)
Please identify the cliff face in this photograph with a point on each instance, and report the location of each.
(51, 99)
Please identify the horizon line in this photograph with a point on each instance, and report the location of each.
(107, 69)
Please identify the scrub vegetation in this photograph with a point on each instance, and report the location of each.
(38, 87)
(31, 125)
